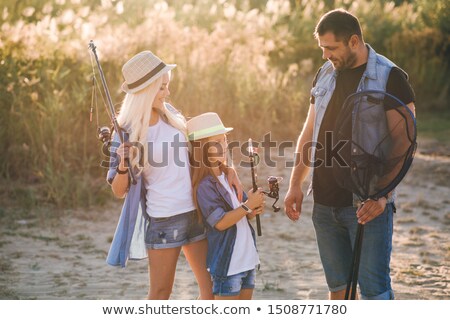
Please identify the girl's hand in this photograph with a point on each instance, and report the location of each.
(256, 211)
(255, 199)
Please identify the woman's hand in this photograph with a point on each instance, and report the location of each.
(123, 152)
(120, 183)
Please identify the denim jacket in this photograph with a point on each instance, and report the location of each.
(375, 77)
(129, 237)
(214, 202)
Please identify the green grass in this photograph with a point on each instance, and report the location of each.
(434, 125)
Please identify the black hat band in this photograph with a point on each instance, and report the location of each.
(147, 76)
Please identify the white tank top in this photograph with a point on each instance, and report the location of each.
(167, 176)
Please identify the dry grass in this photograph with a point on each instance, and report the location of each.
(253, 58)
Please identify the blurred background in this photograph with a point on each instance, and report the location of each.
(251, 61)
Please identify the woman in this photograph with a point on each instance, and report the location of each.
(158, 210)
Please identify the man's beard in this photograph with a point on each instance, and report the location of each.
(348, 62)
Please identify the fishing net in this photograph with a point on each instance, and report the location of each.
(380, 135)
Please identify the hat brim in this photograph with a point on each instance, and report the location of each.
(166, 69)
(196, 136)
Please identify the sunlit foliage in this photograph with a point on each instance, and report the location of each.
(252, 61)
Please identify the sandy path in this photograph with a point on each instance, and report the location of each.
(65, 259)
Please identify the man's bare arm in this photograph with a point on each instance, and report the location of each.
(294, 197)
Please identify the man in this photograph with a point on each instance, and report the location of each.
(352, 66)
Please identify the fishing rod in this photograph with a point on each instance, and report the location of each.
(272, 181)
(254, 177)
(104, 133)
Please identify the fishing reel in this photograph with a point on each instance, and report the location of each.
(274, 190)
(104, 134)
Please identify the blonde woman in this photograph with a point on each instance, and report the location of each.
(158, 217)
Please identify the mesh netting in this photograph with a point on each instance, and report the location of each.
(381, 135)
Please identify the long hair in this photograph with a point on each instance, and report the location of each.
(135, 116)
(201, 167)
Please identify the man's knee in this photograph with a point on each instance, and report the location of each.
(340, 295)
(387, 295)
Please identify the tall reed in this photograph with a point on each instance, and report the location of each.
(250, 61)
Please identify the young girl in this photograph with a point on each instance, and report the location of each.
(232, 255)
(158, 217)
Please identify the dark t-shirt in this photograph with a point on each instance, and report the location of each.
(326, 189)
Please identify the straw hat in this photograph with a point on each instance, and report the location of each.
(205, 125)
(143, 69)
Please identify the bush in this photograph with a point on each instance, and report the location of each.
(250, 61)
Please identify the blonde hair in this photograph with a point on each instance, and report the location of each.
(135, 116)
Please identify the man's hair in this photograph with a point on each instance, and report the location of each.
(341, 23)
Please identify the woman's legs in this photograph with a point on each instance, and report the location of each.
(196, 256)
(162, 266)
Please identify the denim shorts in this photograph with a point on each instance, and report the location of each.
(233, 284)
(336, 230)
(175, 231)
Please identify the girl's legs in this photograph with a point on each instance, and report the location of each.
(235, 287)
(162, 266)
(226, 297)
(196, 256)
(245, 294)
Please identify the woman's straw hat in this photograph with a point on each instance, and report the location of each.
(143, 69)
(205, 125)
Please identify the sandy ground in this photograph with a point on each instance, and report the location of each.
(65, 259)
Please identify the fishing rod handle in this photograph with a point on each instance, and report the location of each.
(130, 171)
(255, 186)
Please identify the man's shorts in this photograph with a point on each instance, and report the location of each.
(336, 231)
(175, 231)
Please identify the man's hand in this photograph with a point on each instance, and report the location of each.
(370, 210)
(293, 197)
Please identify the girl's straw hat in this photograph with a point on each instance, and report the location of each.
(143, 69)
(205, 125)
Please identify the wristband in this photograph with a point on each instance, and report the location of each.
(247, 209)
(120, 171)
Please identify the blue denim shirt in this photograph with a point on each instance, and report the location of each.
(375, 77)
(214, 202)
(129, 238)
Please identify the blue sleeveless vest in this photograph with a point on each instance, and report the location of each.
(375, 77)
